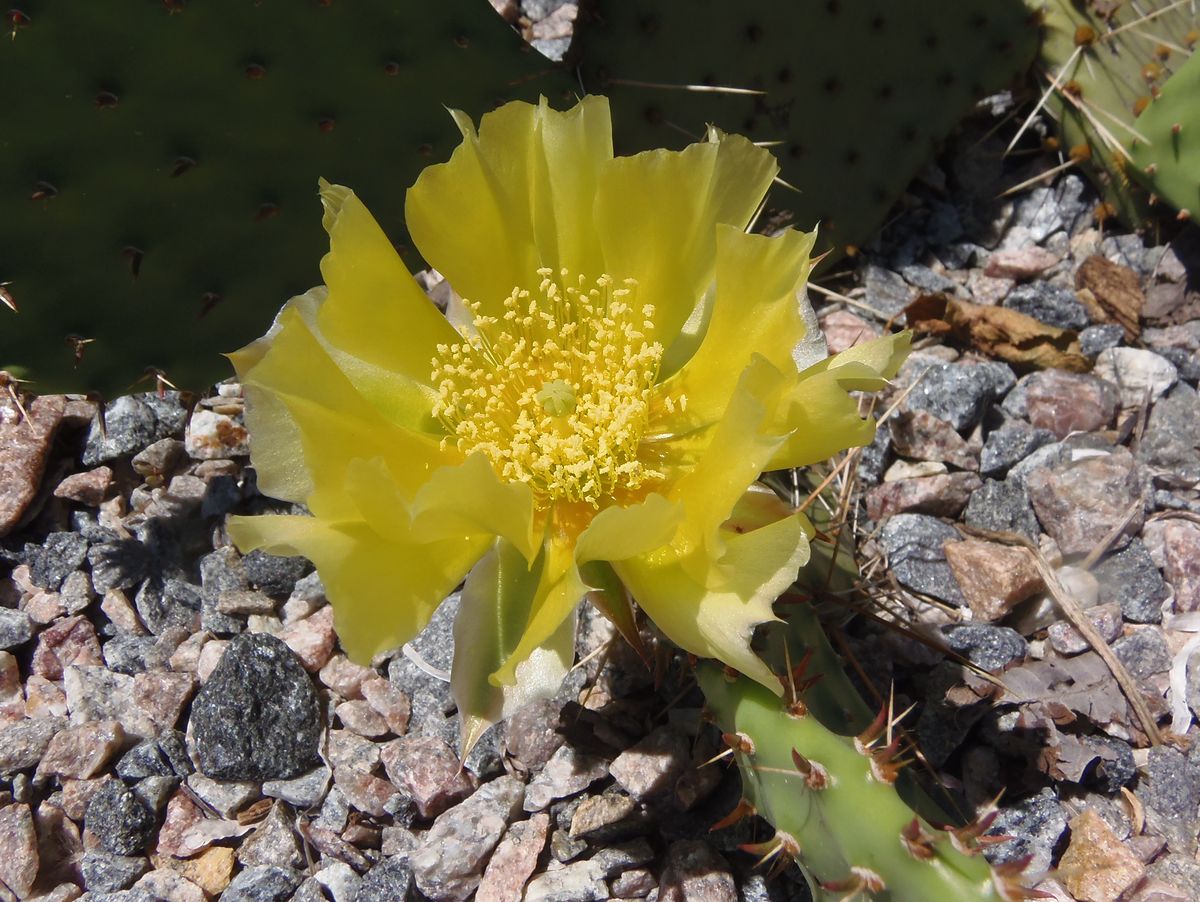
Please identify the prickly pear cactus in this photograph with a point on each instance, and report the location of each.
(1102, 65)
(854, 94)
(832, 795)
(1168, 161)
(159, 163)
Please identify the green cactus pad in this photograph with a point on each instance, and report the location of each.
(856, 92)
(1108, 61)
(848, 824)
(159, 163)
(1168, 164)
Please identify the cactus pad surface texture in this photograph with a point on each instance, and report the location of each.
(1108, 68)
(826, 777)
(852, 94)
(159, 163)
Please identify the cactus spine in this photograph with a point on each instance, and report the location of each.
(833, 798)
(1105, 64)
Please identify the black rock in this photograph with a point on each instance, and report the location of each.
(958, 393)
(1039, 211)
(88, 525)
(273, 574)
(134, 422)
(914, 548)
(107, 873)
(1144, 653)
(926, 279)
(1002, 507)
(118, 565)
(223, 571)
(886, 291)
(61, 554)
(1095, 339)
(1130, 578)
(163, 605)
(876, 457)
(165, 756)
(430, 697)
(119, 820)
(942, 725)
(132, 655)
(1036, 825)
(1114, 766)
(1171, 785)
(1008, 444)
(1000, 376)
(389, 880)
(1187, 363)
(1171, 443)
(1049, 304)
(15, 628)
(130, 426)
(989, 647)
(264, 884)
(256, 717)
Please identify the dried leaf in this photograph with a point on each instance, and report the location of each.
(1111, 292)
(998, 332)
(1083, 684)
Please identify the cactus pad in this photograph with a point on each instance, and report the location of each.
(159, 164)
(833, 798)
(1103, 63)
(855, 93)
(1168, 163)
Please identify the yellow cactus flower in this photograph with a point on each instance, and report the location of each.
(594, 414)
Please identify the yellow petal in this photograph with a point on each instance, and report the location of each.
(825, 416)
(620, 532)
(515, 197)
(559, 590)
(494, 585)
(335, 423)
(737, 452)
(756, 309)
(276, 452)
(714, 617)
(377, 315)
(657, 214)
(470, 498)
(383, 592)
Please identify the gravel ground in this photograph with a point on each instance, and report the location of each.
(178, 722)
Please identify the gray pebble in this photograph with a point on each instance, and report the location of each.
(1130, 578)
(1002, 506)
(1095, 339)
(104, 872)
(955, 392)
(915, 556)
(56, 558)
(1049, 304)
(256, 717)
(984, 645)
(119, 819)
(1010, 443)
(263, 884)
(15, 628)
(1035, 825)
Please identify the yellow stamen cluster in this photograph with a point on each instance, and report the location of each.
(557, 391)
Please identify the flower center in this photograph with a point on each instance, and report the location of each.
(557, 391)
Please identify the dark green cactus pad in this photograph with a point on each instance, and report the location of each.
(857, 92)
(1168, 163)
(1102, 63)
(159, 162)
